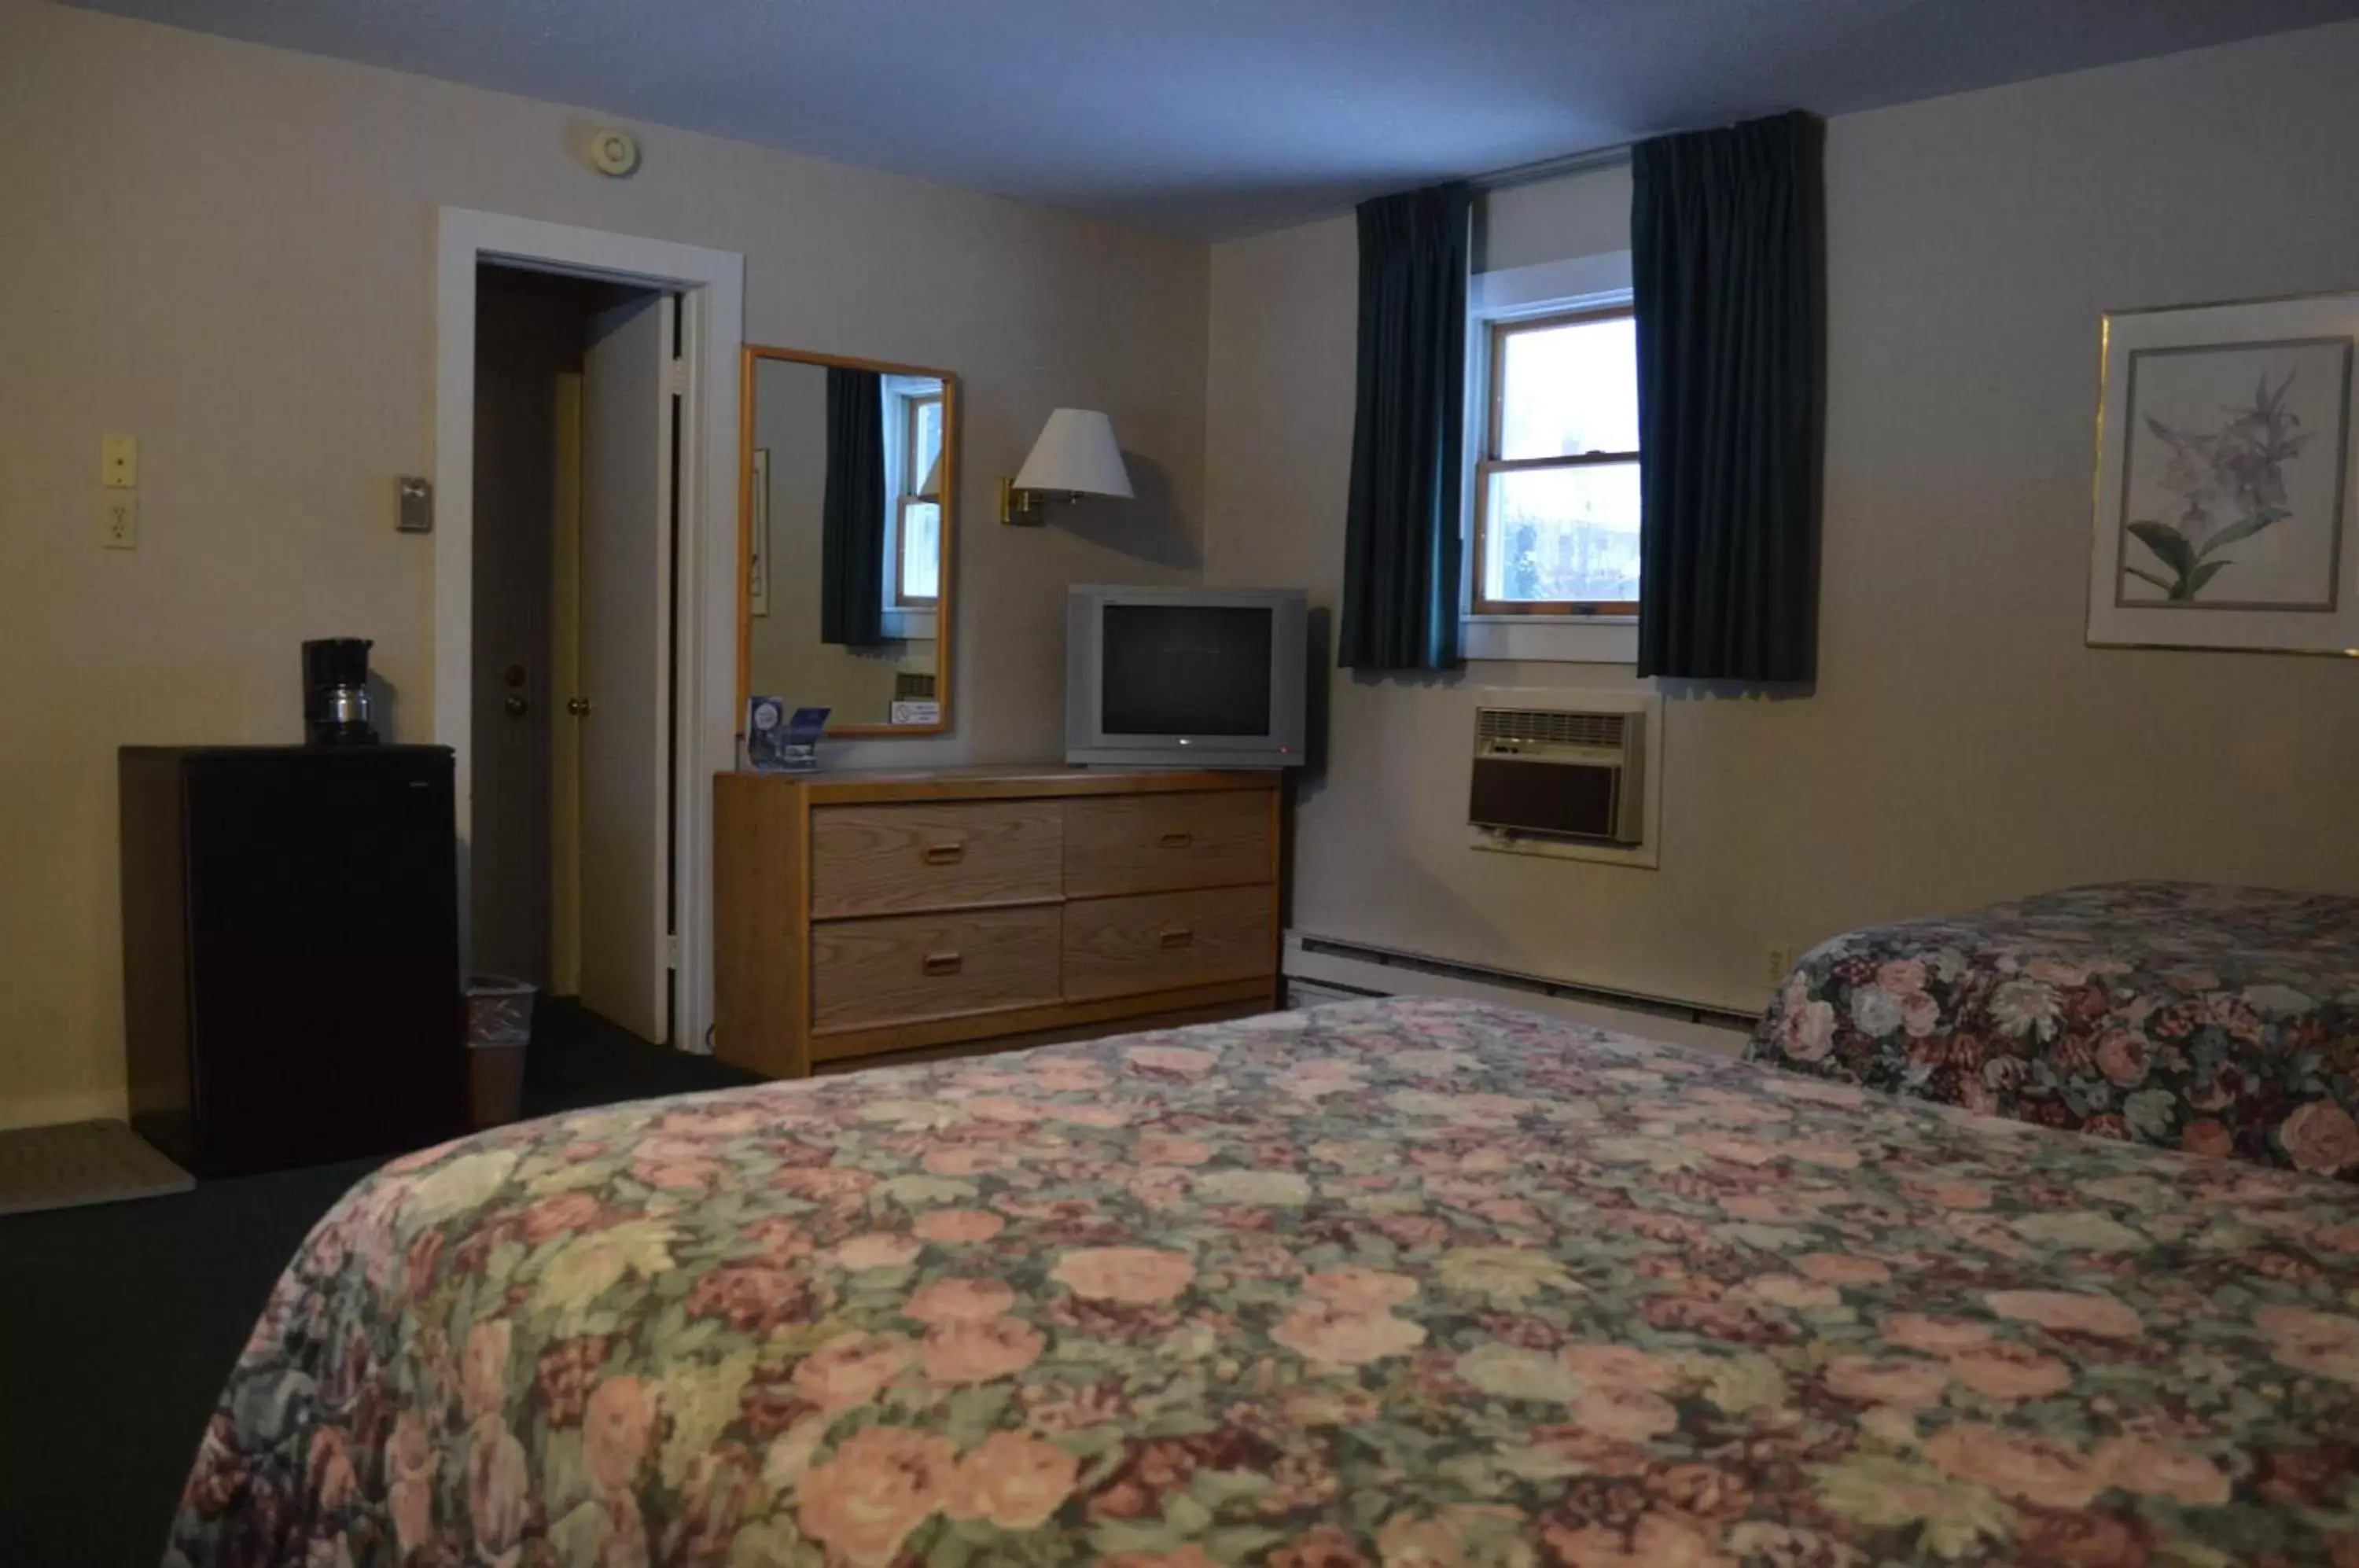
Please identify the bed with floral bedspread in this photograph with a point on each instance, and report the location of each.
(2221, 1020)
(1408, 1283)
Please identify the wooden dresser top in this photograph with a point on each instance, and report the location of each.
(1007, 781)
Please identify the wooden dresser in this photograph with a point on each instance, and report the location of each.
(863, 914)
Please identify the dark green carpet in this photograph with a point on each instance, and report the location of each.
(118, 1323)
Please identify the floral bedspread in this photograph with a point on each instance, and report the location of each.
(2221, 1020)
(1408, 1283)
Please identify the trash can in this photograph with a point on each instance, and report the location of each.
(499, 1027)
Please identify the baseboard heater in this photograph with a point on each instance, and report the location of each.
(1512, 980)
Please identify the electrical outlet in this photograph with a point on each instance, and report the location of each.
(118, 519)
(1776, 963)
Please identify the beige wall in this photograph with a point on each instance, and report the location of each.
(1524, 225)
(225, 251)
(1961, 744)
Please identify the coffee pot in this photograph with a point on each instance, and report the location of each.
(335, 692)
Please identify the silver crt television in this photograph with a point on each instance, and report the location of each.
(1185, 677)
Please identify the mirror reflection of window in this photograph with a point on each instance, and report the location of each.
(918, 584)
(913, 543)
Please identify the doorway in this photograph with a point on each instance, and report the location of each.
(663, 321)
(575, 487)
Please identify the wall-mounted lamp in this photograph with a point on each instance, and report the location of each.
(1075, 456)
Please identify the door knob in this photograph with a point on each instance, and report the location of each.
(517, 705)
(578, 706)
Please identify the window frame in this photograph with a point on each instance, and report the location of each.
(1488, 461)
(899, 599)
(908, 405)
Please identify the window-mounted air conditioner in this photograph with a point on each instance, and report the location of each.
(1552, 776)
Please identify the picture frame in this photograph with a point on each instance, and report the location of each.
(757, 545)
(2226, 511)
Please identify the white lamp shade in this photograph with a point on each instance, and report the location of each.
(1076, 455)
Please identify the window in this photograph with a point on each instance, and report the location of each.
(913, 546)
(1556, 485)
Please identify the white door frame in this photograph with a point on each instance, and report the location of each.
(713, 287)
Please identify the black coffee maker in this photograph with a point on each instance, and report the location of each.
(335, 692)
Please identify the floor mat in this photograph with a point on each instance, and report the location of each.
(74, 1163)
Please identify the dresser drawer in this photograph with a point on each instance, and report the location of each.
(1161, 942)
(873, 860)
(913, 968)
(1147, 844)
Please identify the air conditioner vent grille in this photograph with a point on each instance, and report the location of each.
(1549, 726)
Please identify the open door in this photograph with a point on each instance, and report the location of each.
(623, 706)
(526, 330)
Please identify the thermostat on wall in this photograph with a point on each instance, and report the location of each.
(613, 151)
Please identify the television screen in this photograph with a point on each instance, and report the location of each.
(1185, 669)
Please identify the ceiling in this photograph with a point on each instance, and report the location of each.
(1220, 117)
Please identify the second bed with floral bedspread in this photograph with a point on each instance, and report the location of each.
(1413, 1283)
(2221, 1020)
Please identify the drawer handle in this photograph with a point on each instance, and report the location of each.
(945, 854)
(1178, 838)
(944, 962)
(1179, 936)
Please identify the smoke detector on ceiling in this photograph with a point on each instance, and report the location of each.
(613, 151)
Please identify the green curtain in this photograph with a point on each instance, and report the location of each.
(1400, 541)
(1726, 271)
(851, 517)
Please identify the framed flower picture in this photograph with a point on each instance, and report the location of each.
(2226, 482)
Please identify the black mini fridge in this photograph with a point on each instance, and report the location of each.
(290, 953)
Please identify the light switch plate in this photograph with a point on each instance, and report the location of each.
(118, 519)
(118, 462)
(417, 515)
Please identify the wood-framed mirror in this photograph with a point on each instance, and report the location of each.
(847, 518)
